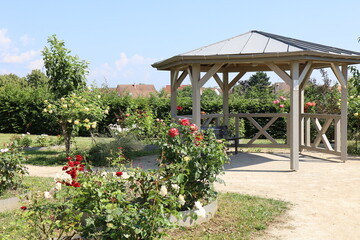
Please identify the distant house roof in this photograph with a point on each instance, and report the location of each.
(167, 89)
(136, 90)
(281, 87)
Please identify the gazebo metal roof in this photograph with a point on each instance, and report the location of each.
(258, 46)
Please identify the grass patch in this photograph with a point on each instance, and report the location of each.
(238, 217)
(30, 184)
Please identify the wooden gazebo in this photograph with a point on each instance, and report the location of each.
(292, 60)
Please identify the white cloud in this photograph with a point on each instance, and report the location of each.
(122, 62)
(4, 40)
(4, 71)
(26, 39)
(125, 70)
(21, 58)
(36, 64)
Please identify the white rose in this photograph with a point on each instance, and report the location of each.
(163, 191)
(175, 186)
(181, 199)
(201, 212)
(47, 195)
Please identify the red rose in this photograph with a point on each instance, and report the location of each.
(79, 158)
(75, 184)
(73, 174)
(193, 127)
(118, 174)
(77, 163)
(179, 108)
(173, 132)
(185, 122)
(23, 208)
(65, 168)
(71, 163)
(199, 137)
(68, 158)
(120, 148)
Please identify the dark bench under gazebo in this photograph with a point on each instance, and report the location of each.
(292, 60)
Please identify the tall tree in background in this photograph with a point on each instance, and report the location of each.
(258, 86)
(66, 73)
(37, 79)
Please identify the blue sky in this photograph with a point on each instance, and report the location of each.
(121, 39)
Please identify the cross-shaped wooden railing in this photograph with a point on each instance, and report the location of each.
(309, 120)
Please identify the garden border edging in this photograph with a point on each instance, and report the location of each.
(187, 221)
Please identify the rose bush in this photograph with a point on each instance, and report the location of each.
(192, 159)
(12, 169)
(79, 109)
(130, 203)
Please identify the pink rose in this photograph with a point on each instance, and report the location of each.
(173, 132)
(193, 127)
(276, 102)
(185, 122)
(281, 105)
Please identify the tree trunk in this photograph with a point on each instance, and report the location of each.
(67, 138)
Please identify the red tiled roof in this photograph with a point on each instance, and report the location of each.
(136, 90)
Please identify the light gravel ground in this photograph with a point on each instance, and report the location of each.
(325, 194)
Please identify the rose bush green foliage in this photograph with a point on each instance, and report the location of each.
(12, 169)
(79, 109)
(103, 205)
(193, 159)
(143, 123)
(130, 203)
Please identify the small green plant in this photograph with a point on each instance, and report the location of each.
(42, 140)
(12, 169)
(23, 140)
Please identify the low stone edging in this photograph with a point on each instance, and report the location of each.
(187, 221)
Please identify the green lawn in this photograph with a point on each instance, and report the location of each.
(30, 184)
(238, 217)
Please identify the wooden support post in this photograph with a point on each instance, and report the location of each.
(196, 107)
(226, 98)
(302, 120)
(294, 117)
(343, 121)
(173, 93)
(337, 145)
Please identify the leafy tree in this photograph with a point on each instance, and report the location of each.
(258, 86)
(12, 79)
(66, 73)
(325, 95)
(185, 92)
(37, 79)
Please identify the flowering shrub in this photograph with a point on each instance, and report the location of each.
(280, 103)
(11, 168)
(143, 123)
(192, 159)
(106, 205)
(131, 203)
(310, 107)
(22, 141)
(82, 109)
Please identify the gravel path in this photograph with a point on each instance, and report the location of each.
(325, 194)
